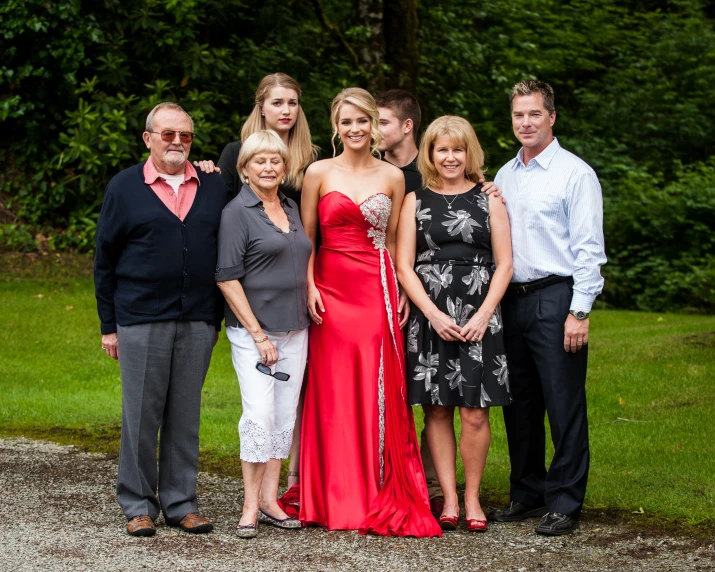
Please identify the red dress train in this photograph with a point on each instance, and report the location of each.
(360, 466)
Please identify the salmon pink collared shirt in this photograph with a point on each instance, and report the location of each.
(178, 203)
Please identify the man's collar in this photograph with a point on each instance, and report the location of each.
(251, 199)
(412, 165)
(543, 159)
(151, 174)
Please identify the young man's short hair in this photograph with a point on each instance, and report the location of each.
(404, 105)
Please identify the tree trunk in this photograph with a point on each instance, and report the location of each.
(372, 53)
(401, 53)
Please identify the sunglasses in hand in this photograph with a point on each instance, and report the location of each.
(279, 375)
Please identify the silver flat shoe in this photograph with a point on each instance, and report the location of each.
(286, 523)
(247, 530)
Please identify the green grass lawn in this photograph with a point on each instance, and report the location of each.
(651, 393)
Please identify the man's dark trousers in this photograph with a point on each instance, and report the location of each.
(545, 378)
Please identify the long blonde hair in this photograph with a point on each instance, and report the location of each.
(300, 147)
(365, 102)
(460, 131)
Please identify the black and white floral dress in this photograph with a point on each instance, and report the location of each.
(455, 262)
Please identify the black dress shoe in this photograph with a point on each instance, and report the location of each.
(436, 506)
(556, 524)
(516, 511)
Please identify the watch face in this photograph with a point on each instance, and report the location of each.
(580, 315)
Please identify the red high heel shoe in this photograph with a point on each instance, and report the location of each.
(476, 525)
(448, 522)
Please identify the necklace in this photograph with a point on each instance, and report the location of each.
(454, 197)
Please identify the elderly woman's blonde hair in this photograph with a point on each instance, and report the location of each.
(365, 102)
(461, 132)
(262, 141)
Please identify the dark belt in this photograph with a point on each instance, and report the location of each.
(457, 262)
(529, 287)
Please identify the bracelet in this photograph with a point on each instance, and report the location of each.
(261, 340)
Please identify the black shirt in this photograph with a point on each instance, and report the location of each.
(413, 179)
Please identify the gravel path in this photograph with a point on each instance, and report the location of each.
(60, 514)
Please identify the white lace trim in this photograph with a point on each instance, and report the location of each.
(257, 446)
(376, 210)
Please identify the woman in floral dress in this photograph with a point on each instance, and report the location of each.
(450, 238)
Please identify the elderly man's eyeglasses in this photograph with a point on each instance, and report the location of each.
(168, 135)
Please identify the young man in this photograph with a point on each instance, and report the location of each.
(556, 213)
(399, 121)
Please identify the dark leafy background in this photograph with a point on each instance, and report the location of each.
(634, 83)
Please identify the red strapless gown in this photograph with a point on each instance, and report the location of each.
(360, 466)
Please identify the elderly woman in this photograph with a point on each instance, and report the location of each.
(450, 237)
(262, 272)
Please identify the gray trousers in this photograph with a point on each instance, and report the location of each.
(163, 366)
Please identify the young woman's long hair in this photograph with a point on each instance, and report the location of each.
(301, 149)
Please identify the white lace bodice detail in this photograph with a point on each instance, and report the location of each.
(376, 210)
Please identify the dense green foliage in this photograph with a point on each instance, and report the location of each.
(633, 81)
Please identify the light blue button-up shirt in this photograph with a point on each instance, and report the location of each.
(556, 214)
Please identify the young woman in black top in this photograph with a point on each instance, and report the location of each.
(277, 107)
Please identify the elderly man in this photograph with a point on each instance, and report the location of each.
(160, 314)
(556, 213)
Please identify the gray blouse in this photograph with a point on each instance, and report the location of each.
(271, 265)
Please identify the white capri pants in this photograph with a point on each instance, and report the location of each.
(269, 405)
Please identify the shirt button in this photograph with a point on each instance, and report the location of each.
(186, 273)
(186, 249)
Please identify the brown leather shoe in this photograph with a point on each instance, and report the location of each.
(141, 525)
(195, 523)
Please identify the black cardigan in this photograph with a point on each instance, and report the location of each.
(149, 265)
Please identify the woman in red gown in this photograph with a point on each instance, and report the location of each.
(360, 466)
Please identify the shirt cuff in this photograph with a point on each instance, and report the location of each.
(108, 328)
(231, 273)
(581, 302)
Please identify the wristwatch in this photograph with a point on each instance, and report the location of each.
(579, 315)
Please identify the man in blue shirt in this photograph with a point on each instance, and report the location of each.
(556, 214)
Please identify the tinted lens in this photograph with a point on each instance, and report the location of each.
(280, 376)
(184, 136)
(263, 368)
